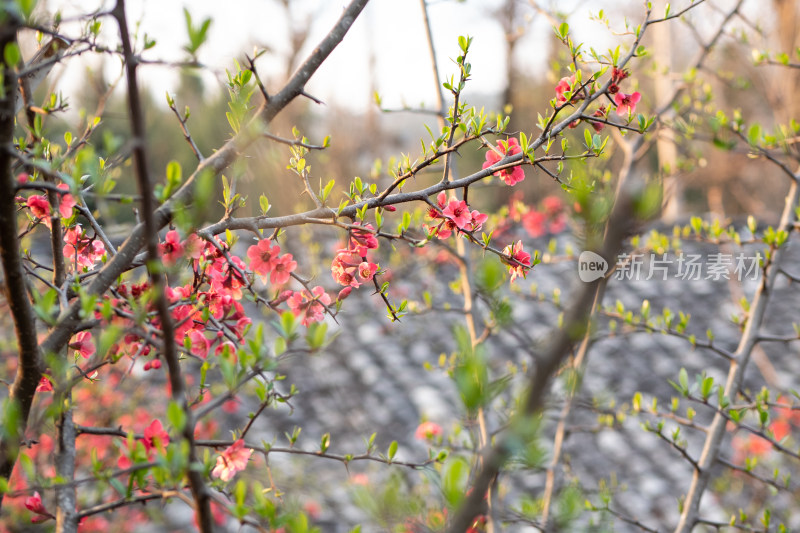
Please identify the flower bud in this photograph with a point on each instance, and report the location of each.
(344, 293)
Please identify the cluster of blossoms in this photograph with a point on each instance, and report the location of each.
(566, 85)
(310, 306)
(266, 262)
(520, 261)
(351, 266)
(81, 250)
(454, 215)
(511, 176)
(625, 103)
(549, 218)
(40, 205)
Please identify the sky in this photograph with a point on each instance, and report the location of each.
(389, 32)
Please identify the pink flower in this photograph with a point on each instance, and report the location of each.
(80, 249)
(511, 176)
(428, 431)
(366, 270)
(45, 385)
(155, 438)
(476, 222)
(344, 268)
(172, 248)
(82, 342)
(193, 246)
(262, 258)
(458, 212)
(364, 238)
(282, 269)
(199, 342)
(564, 85)
(67, 202)
(232, 460)
(552, 205)
(40, 207)
(225, 279)
(534, 222)
(521, 260)
(309, 307)
(34, 504)
(626, 103)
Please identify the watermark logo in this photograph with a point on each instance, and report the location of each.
(687, 267)
(591, 266)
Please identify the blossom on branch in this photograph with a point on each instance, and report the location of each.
(263, 257)
(171, 249)
(521, 260)
(232, 460)
(309, 306)
(82, 343)
(511, 176)
(626, 103)
(80, 249)
(34, 504)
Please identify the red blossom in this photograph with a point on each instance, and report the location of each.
(171, 249)
(82, 343)
(511, 176)
(458, 212)
(34, 504)
(521, 260)
(232, 460)
(344, 268)
(198, 342)
(155, 438)
(428, 431)
(262, 258)
(344, 293)
(66, 203)
(534, 223)
(40, 207)
(82, 250)
(366, 270)
(45, 385)
(282, 269)
(309, 306)
(564, 85)
(626, 103)
(600, 113)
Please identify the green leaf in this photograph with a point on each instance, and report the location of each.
(327, 190)
(264, 204)
(12, 55)
(683, 379)
(563, 30)
(392, 450)
(176, 416)
(454, 480)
